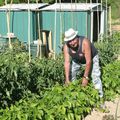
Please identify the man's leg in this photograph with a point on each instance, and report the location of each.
(96, 74)
(75, 68)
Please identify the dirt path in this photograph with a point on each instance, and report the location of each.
(114, 114)
(115, 27)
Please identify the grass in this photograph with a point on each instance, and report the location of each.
(116, 21)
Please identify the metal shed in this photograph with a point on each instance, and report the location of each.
(88, 18)
(18, 17)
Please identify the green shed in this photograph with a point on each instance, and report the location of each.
(88, 18)
(17, 17)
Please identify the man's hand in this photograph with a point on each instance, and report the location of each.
(84, 82)
(67, 82)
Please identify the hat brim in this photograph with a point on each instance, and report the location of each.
(69, 39)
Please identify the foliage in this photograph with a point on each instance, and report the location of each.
(14, 76)
(40, 83)
(115, 6)
(58, 103)
(46, 72)
(116, 42)
(109, 48)
(18, 76)
(111, 79)
(71, 102)
(1, 2)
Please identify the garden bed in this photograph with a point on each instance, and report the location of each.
(35, 90)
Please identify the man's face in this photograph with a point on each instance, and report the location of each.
(73, 43)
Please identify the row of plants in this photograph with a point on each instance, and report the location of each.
(35, 90)
(109, 48)
(57, 103)
(111, 79)
(17, 75)
(71, 102)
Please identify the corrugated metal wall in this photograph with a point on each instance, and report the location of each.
(79, 20)
(19, 25)
(64, 20)
(3, 23)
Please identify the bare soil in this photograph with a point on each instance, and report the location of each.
(115, 28)
(114, 112)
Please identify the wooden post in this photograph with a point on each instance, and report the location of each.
(50, 41)
(44, 37)
(110, 20)
(106, 20)
(8, 23)
(29, 31)
(91, 36)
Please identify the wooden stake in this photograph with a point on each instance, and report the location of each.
(50, 41)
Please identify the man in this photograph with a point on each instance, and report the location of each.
(82, 51)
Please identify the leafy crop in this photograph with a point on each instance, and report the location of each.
(71, 102)
(111, 79)
(14, 76)
(36, 91)
(45, 73)
(18, 76)
(109, 49)
(58, 103)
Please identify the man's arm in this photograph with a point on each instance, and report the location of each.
(87, 53)
(66, 64)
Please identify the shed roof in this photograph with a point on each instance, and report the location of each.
(71, 6)
(15, 7)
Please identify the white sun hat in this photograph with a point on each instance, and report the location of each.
(70, 34)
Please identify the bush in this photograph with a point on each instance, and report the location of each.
(45, 73)
(58, 103)
(14, 76)
(111, 79)
(109, 49)
(18, 76)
